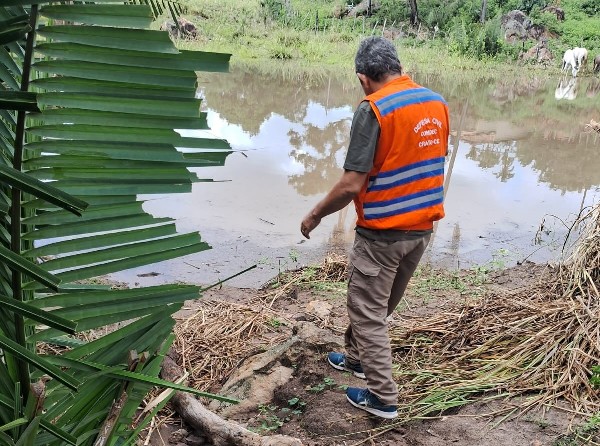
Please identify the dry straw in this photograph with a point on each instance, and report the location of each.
(219, 336)
(539, 342)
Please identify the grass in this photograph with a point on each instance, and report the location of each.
(241, 28)
(582, 435)
(428, 282)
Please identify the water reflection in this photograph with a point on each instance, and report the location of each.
(518, 157)
(567, 88)
(320, 151)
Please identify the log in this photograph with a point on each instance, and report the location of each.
(220, 431)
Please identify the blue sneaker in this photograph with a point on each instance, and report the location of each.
(365, 400)
(338, 361)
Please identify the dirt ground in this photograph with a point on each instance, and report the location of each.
(312, 407)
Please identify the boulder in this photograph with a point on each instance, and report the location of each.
(560, 13)
(539, 53)
(183, 30)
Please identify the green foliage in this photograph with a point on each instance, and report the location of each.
(595, 379)
(272, 417)
(327, 383)
(581, 435)
(476, 40)
(546, 19)
(89, 129)
(393, 11)
(581, 32)
(274, 9)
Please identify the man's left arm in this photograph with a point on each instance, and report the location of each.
(342, 193)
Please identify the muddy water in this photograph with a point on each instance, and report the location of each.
(520, 168)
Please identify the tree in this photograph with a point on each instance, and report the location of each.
(414, 13)
(483, 10)
(87, 119)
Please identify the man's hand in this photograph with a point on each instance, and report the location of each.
(337, 198)
(309, 223)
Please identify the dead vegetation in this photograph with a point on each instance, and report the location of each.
(211, 342)
(538, 342)
(541, 341)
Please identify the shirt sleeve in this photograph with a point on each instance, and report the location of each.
(364, 135)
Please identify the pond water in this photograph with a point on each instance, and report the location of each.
(521, 168)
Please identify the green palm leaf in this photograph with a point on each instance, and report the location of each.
(91, 113)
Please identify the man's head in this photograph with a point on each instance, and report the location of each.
(375, 61)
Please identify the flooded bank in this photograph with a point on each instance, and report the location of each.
(520, 168)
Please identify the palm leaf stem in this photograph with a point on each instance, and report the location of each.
(15, 221)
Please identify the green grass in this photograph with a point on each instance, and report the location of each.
(428, 282)
(584, 434)
(242, 29)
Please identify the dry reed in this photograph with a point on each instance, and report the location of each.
(539, 341)
(333, 269)
(219, 336)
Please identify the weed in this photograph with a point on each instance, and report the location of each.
(427, 282)
(296, 405)
(595, 379)
(272, 417)
(274, 322)
(269, 421)
(581, 435)
(327, 383)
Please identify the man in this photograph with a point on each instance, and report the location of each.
(394, 172)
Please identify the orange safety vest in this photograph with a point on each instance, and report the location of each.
(405, 188)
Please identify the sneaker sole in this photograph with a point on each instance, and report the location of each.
(371, 410)
(345, 369)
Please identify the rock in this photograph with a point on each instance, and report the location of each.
(178, 436)
(538, 53)
(255, 381)
(317, 338)
(280, 440)
(194, 440)
(515, 25)
(319, 308)
(185, 30)
(362, 8)
(559, 12)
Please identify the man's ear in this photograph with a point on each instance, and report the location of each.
(365, 81)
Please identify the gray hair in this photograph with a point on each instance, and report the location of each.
(376, 57)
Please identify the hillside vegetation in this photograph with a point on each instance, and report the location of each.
(325, 33)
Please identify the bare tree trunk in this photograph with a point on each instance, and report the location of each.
(221, 432)
(483, 10)
(414, 13)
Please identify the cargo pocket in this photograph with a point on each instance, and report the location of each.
(364, 272)
(366, 266)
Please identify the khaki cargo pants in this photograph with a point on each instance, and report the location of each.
(379, 274)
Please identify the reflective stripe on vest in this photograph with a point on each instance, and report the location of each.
(406, 174)
(402, 205)
(406, 97)
(405, 190)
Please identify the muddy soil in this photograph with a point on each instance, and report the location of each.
(312, 405)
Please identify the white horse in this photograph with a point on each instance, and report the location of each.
(569, 61)
(566, 89)
(581, 55)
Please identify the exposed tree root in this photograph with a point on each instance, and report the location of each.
(220, 431)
